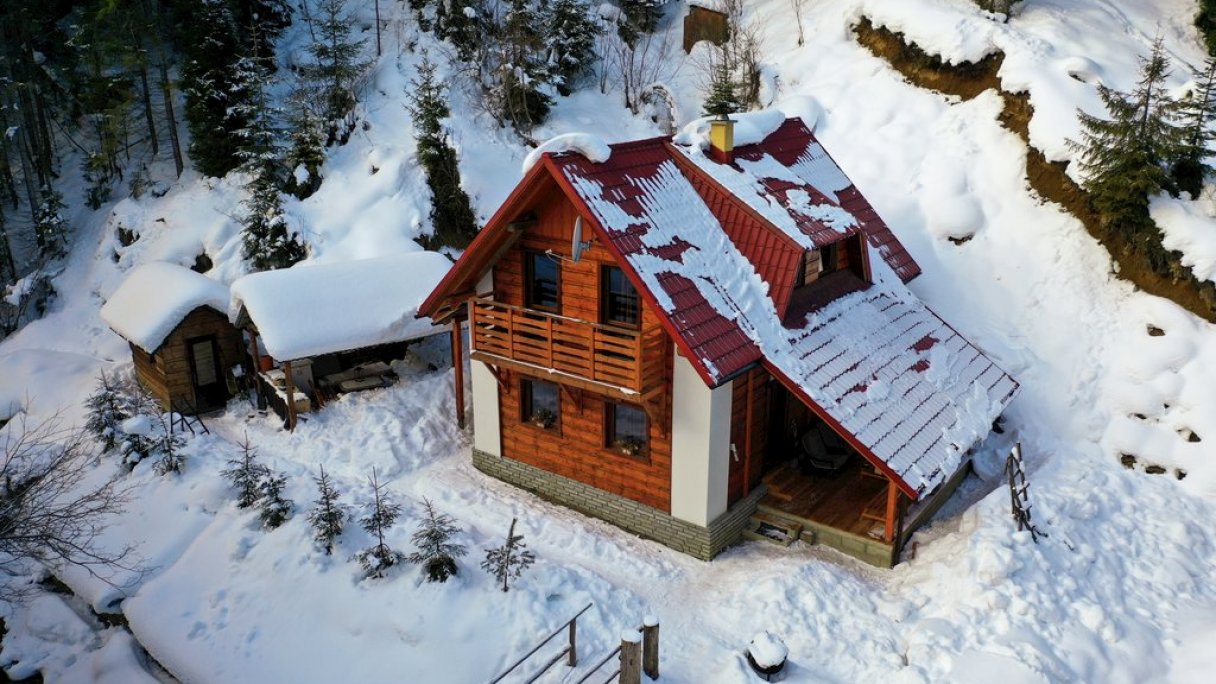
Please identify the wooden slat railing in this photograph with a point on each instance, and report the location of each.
(619, 357)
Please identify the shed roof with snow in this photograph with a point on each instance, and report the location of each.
(155, 298)
(712, 247)
(309, 310)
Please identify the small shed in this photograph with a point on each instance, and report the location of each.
(316, 331)
(706, 20)
(182, 343)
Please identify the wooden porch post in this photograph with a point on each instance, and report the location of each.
(888, 533)
(458, 364)
(291, 396)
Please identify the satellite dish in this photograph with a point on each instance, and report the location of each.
(577, 246)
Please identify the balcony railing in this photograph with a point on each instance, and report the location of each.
(619, 358)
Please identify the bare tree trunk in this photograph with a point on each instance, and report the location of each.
(147, 93)
(167, 90)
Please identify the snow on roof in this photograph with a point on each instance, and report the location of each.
(590, 146)
(308, 310)
(155, 298)
(878, 362)
(750, 128)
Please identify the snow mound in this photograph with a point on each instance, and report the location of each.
(750, 128)
(768, 650)
(590, 146)
(155, 298)
(308, 310)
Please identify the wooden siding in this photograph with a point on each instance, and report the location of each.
(576, 447)
(747, 458)
(167, 373)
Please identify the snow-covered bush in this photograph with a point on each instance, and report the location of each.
(329, 517)
(508, 562)
(275, 508)
(379, 558)
(436, 553)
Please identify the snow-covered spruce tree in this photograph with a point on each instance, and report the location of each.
(166, 446)
(50, 228)
(436, 553)
(570, 34)
(1196, 111)
(722, 99)
(508, 562)
(268, 244)
(212, 50)
(464, 24)
(1123, 157)
(275, 508)
(335, 67)
(1205, 21)
(306, 151)
(246, 475)
(452, 216)
(329, 517)
(521, 73)
(107, 407)
(262, 21)
(379, 558)
(638, 17)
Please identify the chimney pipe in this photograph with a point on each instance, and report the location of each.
(722, 140)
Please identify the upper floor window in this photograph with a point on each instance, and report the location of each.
(540, 403)
(621, 304)
(542, 279)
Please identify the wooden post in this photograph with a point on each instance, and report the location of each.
(888, 533)
(650, 646)
(572, 660)
(631, 657)
(291, 396)
(458, 364)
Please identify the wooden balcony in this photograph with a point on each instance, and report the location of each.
(620, 361)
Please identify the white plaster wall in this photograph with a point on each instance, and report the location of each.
(486, 434)
(700, 446)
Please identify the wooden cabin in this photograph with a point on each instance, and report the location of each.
(314, 332)
(183, 347)
(709, 336)
(705, 20)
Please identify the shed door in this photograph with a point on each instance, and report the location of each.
(210, 390)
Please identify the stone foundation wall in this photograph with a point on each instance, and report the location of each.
(642, 520)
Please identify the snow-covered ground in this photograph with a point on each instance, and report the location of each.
(1122, 590)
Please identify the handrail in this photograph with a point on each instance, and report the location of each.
(600, 664)
(481, 302)
(549, 638)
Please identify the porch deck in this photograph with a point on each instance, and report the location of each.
(851, 500)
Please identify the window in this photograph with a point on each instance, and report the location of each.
(626, 429)
(619, 300)
(829, 258)
(541, 281)
(541, 403)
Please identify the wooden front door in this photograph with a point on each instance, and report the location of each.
(207, 373)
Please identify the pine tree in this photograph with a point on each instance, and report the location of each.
(166, 445)
(1123, 156)
(464, 24)
(268, 244)
(452, 219)
(1191, 162)
(107, 408)
(379, 558)
(336, 66)
(521, 73)
(50, 228)
(638, 17)
(275, 508)
(1205, 21)
(722, 99)
(306, 152)
(329, 517)
(246, 475)
(570, 35)
(263, 21)
(508, 561)
(436, 553)
(212, 50)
